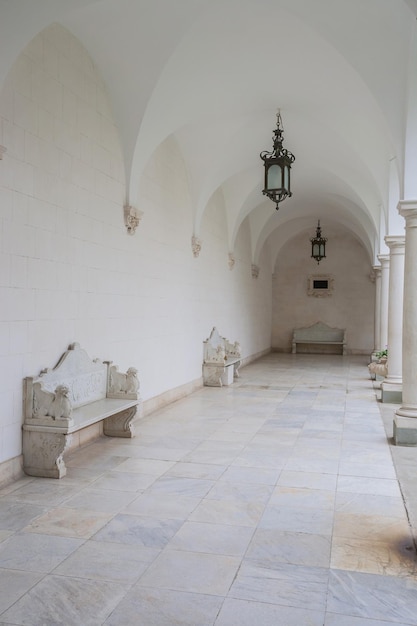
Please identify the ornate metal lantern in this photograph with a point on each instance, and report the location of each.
(318, 245)
(277, 185)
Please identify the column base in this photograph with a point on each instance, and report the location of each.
(391, 392)
(405, 430)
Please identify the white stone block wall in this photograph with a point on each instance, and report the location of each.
(69, 271)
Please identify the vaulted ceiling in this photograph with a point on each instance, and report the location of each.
(212, 73)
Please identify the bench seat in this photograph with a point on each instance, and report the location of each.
(84, 416)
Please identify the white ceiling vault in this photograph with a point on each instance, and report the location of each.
(212, 73)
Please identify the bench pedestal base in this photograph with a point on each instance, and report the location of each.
(121, 424)
(219, 374)
(43, 452)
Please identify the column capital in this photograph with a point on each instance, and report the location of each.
(395, 241)
(377, 270)
(383, 259)
(408, 209)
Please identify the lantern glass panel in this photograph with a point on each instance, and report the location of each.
(274, 177)
(286, 177)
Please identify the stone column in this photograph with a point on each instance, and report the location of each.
(377, 316)
(405, 422)
(384, 260)
(392, 385)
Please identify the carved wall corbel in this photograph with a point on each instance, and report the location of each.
(3, 149)
(196, 245)
(232, 260)
(255, 271)
(132, 218)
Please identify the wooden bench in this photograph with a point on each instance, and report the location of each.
(76, 394)
(319, 334)
(221, 360)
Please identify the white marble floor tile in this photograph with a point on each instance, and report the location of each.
(375, 597)
(98, 500)
(181, 486)
(251, 475)
(311, 520)
(298, 587)
(177, 570)
(15, 515)
(363, 504)
(102, 560)
(228, 512)
(197, 470)
(63, 522)
(307, 480)
(240, 492)
(124, 481)
(15, 584)
(151, 467)
(372, 486)
(66, 600)
(137, 530)
(301, 497)
(212, 538)
(32, 552)
(272, 546)
(245, 613)
(162, 607)
(164, 507)
(342, 620)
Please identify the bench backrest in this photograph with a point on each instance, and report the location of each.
(319, 332)
(218, 349)
(85, 380)
(214, 348)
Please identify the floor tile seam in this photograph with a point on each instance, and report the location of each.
(128, 584)
(270, 603)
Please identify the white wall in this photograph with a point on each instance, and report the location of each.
(69, 271)
(352, 304)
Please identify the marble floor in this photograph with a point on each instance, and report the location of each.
(272, 502)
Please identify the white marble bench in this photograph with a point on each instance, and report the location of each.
(221, 360)
(77, 393)
(319, 334)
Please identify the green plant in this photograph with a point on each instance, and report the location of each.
(381, 354)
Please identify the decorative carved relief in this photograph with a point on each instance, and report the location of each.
(132, 218)
(123, 385)
(43, 453)
(56, 405)
(255, 271)
(196, 245)
(2, 151)
(232, 260)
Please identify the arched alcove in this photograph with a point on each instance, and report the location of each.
(348, 303)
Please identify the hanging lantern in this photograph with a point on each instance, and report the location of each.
(318, 245)
(277, 184)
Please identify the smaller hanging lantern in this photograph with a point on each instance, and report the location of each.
(318, 245)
